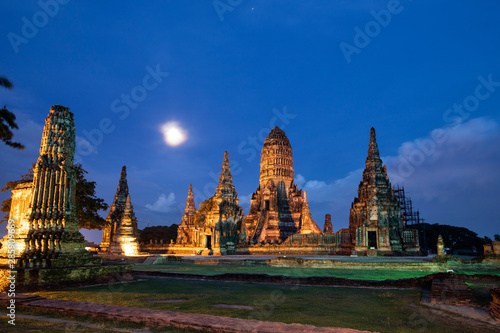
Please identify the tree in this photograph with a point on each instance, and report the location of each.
(201, 213)
(87, 205)
(497, 237)
(8, 120)
(455, 238)
(165, 233)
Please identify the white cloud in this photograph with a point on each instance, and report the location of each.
(164, 203)
(245, 201)
(465, 155)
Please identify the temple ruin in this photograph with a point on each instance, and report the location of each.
(278, 209)
(216, 227)
(47, 230)
(375, 220)
(120, 236)
(279, 220)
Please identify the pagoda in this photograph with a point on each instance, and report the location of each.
(120, 236)
(278, 208)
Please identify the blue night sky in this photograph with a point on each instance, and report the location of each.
(427, 77)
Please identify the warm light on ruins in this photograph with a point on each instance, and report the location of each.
(173, 133)
(129, 246)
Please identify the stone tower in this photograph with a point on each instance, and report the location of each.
(328, 228)
(375, 220)
(120, 236)
(223, 215)
(278, 208)
(46, 228)
(185, 232)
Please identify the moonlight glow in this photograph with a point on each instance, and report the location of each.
(173, 134)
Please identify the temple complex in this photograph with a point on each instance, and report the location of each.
(279, 220)
(278, 208)
(375, 220)
(120, 236)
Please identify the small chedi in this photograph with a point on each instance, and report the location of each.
(375, 220)
(120, 236)
(216, 227)
(46, 228)
(328, 227)
(278, 209)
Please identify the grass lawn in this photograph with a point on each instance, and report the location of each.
(358, 274)
(369, 309)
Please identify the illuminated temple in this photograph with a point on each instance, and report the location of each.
(120, 236)
(278, 209)
(279, 220)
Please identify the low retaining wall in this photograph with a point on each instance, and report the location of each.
(32, 279)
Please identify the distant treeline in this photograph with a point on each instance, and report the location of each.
(459, 240)
(158, 233)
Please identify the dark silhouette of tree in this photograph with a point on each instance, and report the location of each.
(455, 238)
(8, 120)
(87, 205)
(157, 233)
(496, 237)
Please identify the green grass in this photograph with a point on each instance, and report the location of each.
(368, 309)
(358, 274)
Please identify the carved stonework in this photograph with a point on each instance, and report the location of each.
(278, 208)
(120, 235)
(219, 228)
(224, 216)
(375, 219)
(46, 228)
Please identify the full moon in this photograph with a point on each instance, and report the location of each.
(173, 133)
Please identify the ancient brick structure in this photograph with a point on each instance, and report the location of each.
(375, 220)
(46, 228)
(278, 208)
(216, 227)
(186, 231)
(328, 228)
(120, 236)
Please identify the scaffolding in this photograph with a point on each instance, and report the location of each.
(411, 217)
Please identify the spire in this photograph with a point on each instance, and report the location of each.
(121, 212)
(190, 209)
(373, 153)
(225, 175)
(122, 184)
(225, 189)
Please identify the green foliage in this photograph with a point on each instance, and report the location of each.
(87, 205)
(201, 213)
(157, 233)
(497, 237)
(455, 238)
(8, 121)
